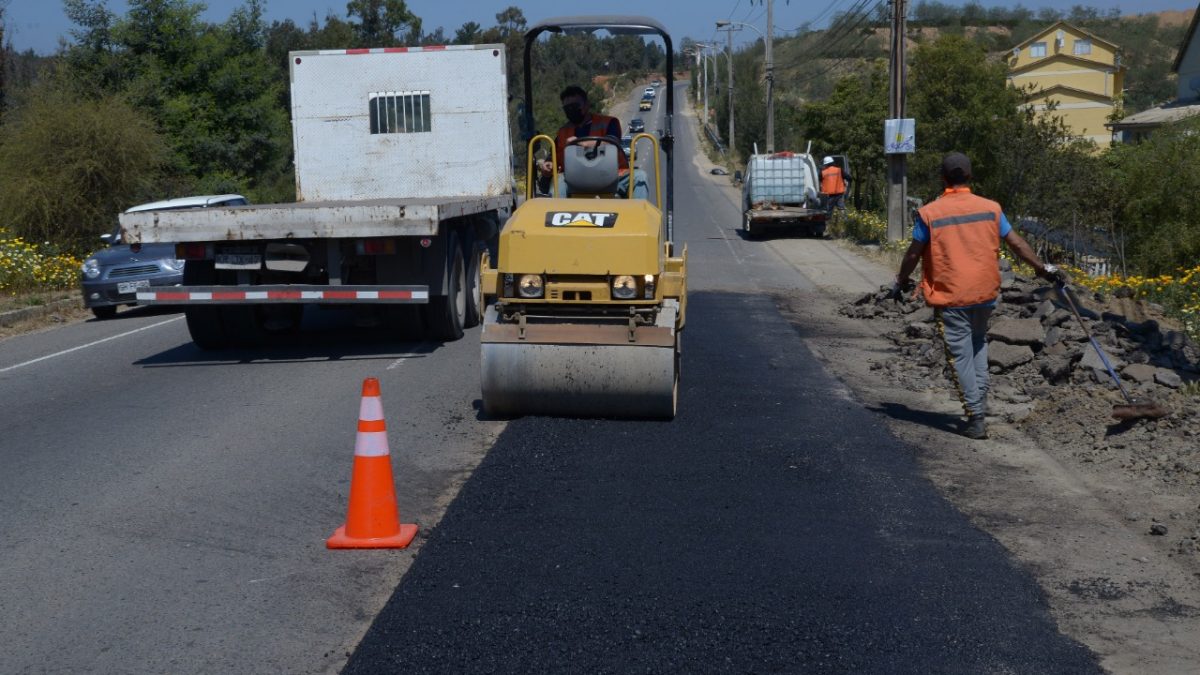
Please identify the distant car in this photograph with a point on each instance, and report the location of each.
(112, 276)
(649, 92)
(626, 143)
(636, 125)
(656, 83)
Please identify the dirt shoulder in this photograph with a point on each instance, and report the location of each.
(1072, 495)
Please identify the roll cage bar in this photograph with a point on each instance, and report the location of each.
(616, 25)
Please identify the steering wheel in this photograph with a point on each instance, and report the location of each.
(594, 150)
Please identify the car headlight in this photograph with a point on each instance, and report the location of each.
(530, 286)
(624, 287)
(173, 264)
(91, 268)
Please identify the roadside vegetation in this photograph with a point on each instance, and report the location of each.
(27, 267)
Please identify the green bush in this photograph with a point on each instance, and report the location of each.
(69, 164)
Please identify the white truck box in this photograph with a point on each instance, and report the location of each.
(387, 142)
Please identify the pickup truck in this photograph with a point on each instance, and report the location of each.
(781, 190)
(403, 178)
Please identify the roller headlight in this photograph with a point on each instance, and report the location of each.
(530, 286)
(624, 287)
(91, 268)
(649, 294)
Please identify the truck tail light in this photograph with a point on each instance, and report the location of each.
(376, 246)
(191, 251)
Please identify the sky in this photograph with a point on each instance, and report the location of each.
(39, 24)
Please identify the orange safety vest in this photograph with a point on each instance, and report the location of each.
(960, 265)
(831, 181)
(598, 126)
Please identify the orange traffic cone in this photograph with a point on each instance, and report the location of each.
(373, 521)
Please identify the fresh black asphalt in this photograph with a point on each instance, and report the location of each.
(774, 526)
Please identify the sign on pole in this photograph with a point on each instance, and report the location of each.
(899, 136)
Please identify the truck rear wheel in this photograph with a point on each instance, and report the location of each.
(748, 225)
(474, 314)
(203, 322)
(447, 314)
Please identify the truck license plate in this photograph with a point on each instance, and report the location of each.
(238, 261)
(126, 287)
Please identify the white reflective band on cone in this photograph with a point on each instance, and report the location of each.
(371, 409)
(371, 444)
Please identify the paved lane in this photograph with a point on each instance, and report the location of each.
(774, 526)
(165, 509)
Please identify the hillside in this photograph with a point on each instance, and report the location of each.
(809, 64)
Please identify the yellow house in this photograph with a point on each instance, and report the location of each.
(1080, 72)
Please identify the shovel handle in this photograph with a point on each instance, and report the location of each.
(1066, 293)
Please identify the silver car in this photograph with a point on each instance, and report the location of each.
(112, 276)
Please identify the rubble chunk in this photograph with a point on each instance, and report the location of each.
(1017, 331)
(1168, 378)
(1005, 356)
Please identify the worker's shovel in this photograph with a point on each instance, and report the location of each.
(1133, 408)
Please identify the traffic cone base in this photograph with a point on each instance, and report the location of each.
(399, 540)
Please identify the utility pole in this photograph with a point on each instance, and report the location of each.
(897, 162)
(705, 57)
(729, 59)
(770, 79)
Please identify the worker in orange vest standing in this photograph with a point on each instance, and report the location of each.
(833, 186)
(956, 238)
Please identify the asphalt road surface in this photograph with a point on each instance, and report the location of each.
(164, 509)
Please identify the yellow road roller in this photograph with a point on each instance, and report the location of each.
(587, 296)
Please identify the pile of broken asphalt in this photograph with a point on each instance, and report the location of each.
(1048, 381)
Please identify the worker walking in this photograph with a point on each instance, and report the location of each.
(833, 186)
(956, 238)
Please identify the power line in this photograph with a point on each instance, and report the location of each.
(816, 19)
(835, 64)
(837, 35)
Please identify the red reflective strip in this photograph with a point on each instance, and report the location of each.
(229, 295)
(358, 51)
(434, 48)
(340, 295)
(372, 425)
(168, 295)
(283, 295)
(396, 295)
(395, 50)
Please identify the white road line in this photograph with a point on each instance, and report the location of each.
(90, 344)
(404, 357)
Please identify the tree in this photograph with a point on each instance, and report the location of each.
(962, 102)
(511, 21)
(468, 33)
(68, 165)
(850, 122)
(1157, 181)
(380, 22)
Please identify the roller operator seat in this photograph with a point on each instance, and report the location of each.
(592, 172)
(596, 172)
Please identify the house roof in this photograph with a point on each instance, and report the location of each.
(1033, 65)
(1062, 88)
(1155, 117)
(1093, 36)
(1187, 40)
